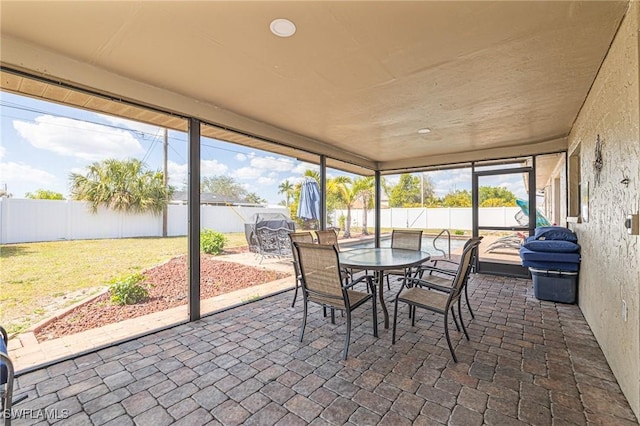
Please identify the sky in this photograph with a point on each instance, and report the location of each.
(42, 143)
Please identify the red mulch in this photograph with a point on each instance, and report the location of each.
(167, 285)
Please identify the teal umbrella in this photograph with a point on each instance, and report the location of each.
(540, 219)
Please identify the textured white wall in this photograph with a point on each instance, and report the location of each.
(610, 269)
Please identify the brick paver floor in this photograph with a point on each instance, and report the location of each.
(528, 362)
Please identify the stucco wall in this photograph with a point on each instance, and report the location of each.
(610, 270)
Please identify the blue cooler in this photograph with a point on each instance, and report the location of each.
(553, 258)
(555, 286)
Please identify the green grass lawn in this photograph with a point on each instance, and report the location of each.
(34, 276)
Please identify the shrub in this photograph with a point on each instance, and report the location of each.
(128, 291)
(458, 232)
(212, 242)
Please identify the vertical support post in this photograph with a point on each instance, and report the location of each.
(193, 236)
(533, 207)
(475, 201)
(165, 179)
(378, 197)
(323, 192)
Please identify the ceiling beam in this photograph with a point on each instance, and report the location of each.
(534, 148)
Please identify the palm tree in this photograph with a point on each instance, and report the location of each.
(121, 185)
(286, 188)
(341, 187)
(363, 187)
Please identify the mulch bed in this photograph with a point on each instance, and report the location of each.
(167, 285)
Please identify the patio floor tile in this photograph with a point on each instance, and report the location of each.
(527, 362)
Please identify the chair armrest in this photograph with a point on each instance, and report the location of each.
(438, 270)
(357, 280)
(425, 283)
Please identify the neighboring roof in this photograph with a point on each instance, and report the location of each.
(209, 198)
(491, 79)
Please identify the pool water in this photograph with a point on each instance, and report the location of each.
(427, 244)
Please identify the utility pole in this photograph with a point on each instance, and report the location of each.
(422, 188)
(165, 178)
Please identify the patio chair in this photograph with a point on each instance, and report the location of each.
(298, 237)
(419, 294)
(322, 284)
(6, 380)
(409, 239)
(329, 237)
(450, 273)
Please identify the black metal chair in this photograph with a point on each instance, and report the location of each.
(298, 237)
(322, 284)
(408, 239)
(419, 295)
(445, 281)
(6, 380)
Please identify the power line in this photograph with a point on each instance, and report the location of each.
(139, 133)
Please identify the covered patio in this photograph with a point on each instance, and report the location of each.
(527, 362)
(369, 88)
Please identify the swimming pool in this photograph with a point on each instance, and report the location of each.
(427, 244)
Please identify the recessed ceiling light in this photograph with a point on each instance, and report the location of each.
(424, 131)
(282, 27)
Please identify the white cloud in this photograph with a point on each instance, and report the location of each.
(266, 180)
(303, 167)
(178, 172)
(79, 139)
(272, 163)
(247, 173)
(20, 173)
(241, 157)
(212, 168)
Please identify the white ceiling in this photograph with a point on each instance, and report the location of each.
(356, 81)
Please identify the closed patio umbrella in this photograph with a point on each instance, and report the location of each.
(309, 205)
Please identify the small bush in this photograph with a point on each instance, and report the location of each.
(212, 242)
(128, 291)
(458, 232)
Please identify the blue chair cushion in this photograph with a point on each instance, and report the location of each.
(552, 266)
(555, 233)
(542, 256)
(556, 246)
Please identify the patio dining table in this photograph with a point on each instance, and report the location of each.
(381, 259)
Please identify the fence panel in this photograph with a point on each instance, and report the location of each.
(25, 220)
(435, 218)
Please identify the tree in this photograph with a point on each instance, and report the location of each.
(341, 188)
(286, 188)
(121, 185)
(224, 186)
(406, 192)
(43, 194)
(458, 198)
(254, 198)
(428, 192)
(363, 187)
(496, 196)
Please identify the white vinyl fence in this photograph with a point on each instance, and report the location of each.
(24, 220)
(432, 218)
